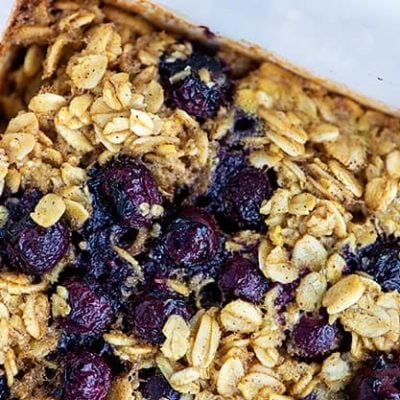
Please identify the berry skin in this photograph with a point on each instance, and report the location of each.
(150, 313)
(314, 338)
(380, 260)
(91, 313)
(241, 278)
(378, 379)
(197, 97)
(244, 125)
(154, 386)
(36, 250)
(242, 197)
(287, 291)
(192, 238)
(191, 245)
(229, 163)
(4, 391)
(286, 294)
(237, 192)
(104, 264)
(86, 376)
(311, 396)
(29, 247)
(120, 189)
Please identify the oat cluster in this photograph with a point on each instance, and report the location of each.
(85, 89)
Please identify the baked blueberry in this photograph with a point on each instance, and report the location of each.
(237, 191)
(36, 250)
(149, 312)
(124, 191)
(190, 245)
(4, 390)
(29, 247)
(287, 291)
(241, 278)
(311, 396)
(228, 164)
(244, 125)
(91, 313)
(198, 84)
(102, 262)
(192, 238)
(381, 260)
(313, 338)
(86, 376)
(378, 379)
(286, 294)
(154, 386)
(242, 196)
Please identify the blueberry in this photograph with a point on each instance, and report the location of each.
(149, 313)
(313, 338)
(197, 97)
(86, 376)
(4, 391)
(229, 163)
(91, 313)
(191, 245)
(123, 191)
(311, 396)
(36, 250)
(286, 294)
(378, 379)
(380, 260)
(244, 125)
(241, 278)
(287, 291)
(105, 265)
(154, 386)
(23, 204)
(100, 253)
(237, 192)
(192, 238)
(29, 247)
(242, 197)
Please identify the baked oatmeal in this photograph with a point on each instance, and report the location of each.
(178, 221)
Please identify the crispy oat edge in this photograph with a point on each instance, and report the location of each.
(170, 21)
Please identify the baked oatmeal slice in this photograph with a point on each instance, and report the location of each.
(179, 221)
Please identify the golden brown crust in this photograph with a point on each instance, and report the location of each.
(5, 44)
(22, 13)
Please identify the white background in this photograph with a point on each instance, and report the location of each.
(354, 42)
(5, 7)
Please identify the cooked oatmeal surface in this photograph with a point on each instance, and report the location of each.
(180, 222)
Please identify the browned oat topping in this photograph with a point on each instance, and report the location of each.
(84, 90)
